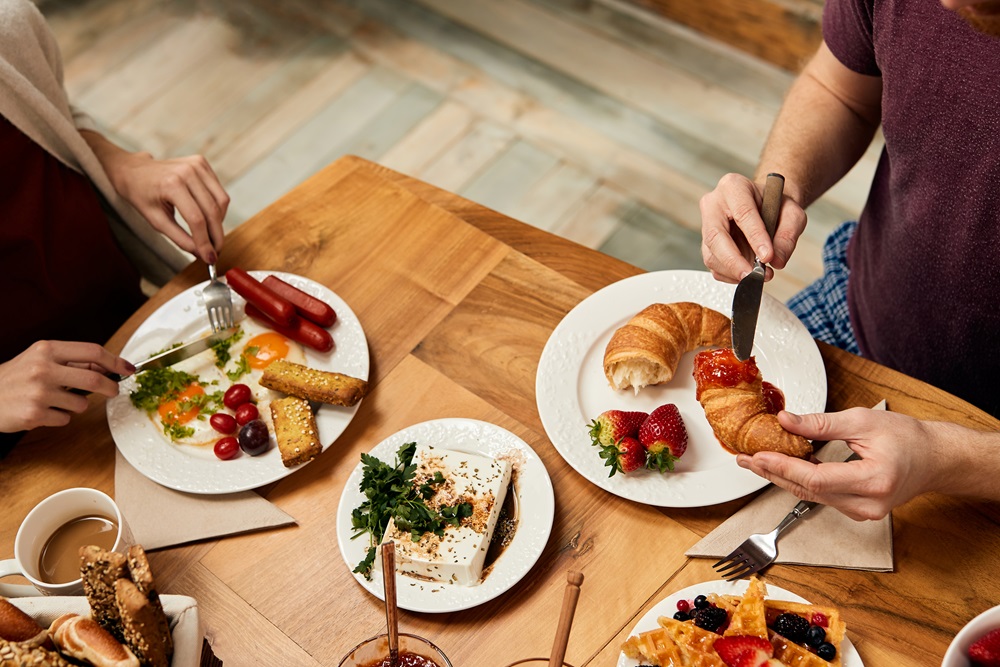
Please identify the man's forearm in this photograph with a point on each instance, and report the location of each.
(826, 123)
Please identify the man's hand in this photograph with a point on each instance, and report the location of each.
(36, 387)
(901, 458)
(732, 231)
(159, 188)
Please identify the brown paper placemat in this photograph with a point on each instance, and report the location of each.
(160, 517)
(823, 537)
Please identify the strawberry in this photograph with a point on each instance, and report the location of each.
(613, 425)
(743, 650)
(985, 651)
(627, 455)
(664, 436)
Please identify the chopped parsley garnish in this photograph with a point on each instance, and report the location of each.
(391, 494)
(242, 368)
(221, 349)
(158, 385)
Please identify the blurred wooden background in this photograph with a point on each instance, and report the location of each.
(602, 121)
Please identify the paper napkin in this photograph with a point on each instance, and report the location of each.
(823, 537)
(160, 517)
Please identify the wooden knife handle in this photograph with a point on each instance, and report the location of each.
(773, 188)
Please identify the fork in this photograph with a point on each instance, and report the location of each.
(218, 302)
(761, 549)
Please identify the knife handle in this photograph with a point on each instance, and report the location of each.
(773, 187)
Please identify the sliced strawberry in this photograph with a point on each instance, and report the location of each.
(613, 425)
(985, 651)
(626, 456)
(664, 436)
(735, 648)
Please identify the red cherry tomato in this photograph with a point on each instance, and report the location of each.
(246, 413)
(236, 396)
(223, 423)
(226, 448)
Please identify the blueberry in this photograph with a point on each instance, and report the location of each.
(826, 651)
(682, 616)
(700, 602)
(815, 636)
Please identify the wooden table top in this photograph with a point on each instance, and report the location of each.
(457, 303)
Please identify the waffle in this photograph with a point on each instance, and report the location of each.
(674, 644)
(747, 618)
(793, 654)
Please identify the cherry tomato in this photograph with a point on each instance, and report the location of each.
(226, 448)
(245, 413)
(254, 438)
(236, 396)
(223, 423)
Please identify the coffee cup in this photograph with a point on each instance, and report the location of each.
(46, 548)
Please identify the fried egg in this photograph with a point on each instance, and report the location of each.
(184, 418)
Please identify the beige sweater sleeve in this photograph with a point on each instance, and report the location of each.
(33, 99)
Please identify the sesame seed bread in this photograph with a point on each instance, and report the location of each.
(100, 570)
(295, 430)
(18, 655)
(312, 384)
(143, 626)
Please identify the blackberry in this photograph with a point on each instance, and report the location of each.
(815, 636)
(826, 651)
(710, 618)
(792, 627)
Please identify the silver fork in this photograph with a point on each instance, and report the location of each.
(761, 549)
(218, 302)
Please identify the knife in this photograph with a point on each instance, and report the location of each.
(182, 352)
(746, 300)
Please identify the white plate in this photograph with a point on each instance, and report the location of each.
(571, 388)
(536, 510)
(196, 469)
(181, 611)
(668, 607)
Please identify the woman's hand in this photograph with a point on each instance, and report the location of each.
(159, 188)
(901, 457)
(732, 231)
(37, 386)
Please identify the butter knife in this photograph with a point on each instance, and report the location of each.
(746, 300)
(182, 352)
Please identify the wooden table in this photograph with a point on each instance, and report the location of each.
(457, 302)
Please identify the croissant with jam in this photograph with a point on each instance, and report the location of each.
(647, 349)
(741, 407)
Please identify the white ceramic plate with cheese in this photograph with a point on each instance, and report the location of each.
(535, 502)
(571, 389)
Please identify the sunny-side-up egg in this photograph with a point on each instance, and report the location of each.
(250, 355)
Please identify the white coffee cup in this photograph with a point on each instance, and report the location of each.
(36, 529)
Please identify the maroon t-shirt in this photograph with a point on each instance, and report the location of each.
(62, 275)
(925, 260)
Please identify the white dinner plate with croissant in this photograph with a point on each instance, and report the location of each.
(195, 469)
(571, 389)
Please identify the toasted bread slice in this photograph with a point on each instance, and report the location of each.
(295, 430)
(145, 627)
(100, 570)
(142, 577)
(312, 384)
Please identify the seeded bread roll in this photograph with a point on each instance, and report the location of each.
(295, 430)
(312, 384)
(83, 638)
(142, 577)
(18, 655)
(100, 570)
(18, 627)
(143, 626)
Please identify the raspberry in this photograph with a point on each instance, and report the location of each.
(820, 620)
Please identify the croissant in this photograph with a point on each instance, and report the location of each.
(648, 348)
(732, 394)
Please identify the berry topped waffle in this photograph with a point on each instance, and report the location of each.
(738, 625)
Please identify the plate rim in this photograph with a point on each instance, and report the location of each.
(345, 317)
(652, 283)
(543, 518)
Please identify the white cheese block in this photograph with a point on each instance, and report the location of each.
(458, 556)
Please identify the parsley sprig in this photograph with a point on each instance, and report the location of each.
(391, 493)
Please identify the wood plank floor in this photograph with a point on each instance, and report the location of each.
(582, 118)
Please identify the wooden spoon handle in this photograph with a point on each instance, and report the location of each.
(570, 596)
(391, 610)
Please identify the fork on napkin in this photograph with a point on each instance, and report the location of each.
(824, 537)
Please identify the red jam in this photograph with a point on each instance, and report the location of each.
(405, 659)
(773, 398)
(721, 368)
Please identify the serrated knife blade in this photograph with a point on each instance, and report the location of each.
(182, 352)
(746, 300)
